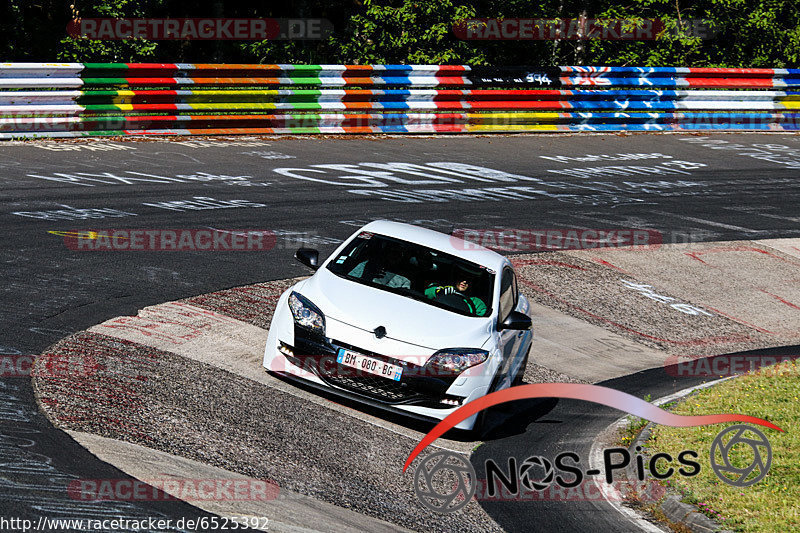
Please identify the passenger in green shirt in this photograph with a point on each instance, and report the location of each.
(475, 305)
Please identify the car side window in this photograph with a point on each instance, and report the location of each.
(508, 293)
(515, 289)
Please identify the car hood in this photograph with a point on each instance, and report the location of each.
(406, 320)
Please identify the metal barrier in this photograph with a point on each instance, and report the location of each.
(88, 99)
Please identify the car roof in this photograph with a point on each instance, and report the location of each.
(439, 241)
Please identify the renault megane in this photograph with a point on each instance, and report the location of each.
(406, 319)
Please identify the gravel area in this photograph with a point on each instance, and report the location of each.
(158, 399)
(254, 304)
(538, 374)
(597, 294)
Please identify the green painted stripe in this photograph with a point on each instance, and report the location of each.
(105, 66)
(303, 75)
(105, 81)
(303, 70)
(304, 130)
(104, 133)
(100, 92)
(102, 108)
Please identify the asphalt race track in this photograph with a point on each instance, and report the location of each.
(689, 188)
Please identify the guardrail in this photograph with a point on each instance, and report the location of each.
(86, 99)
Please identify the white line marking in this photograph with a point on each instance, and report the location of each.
(709, 222)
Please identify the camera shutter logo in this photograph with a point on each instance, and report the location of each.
(721, 457)
(445, 482)
(526, 473)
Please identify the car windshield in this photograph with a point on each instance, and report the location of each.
(417, 272)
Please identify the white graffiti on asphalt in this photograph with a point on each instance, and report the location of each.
(78, 147)
(202, 203)
(129, 177)
(374, 180)
(589, 158)
(649, 292)
(73, 213)
(363, 175)
(269, 154)
(666, 168)
(774, 153)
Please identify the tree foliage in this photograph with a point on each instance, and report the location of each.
(748, 33)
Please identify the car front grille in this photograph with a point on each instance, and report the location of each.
(318, 355)
(375, 387)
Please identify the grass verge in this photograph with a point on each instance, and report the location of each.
(772, 504)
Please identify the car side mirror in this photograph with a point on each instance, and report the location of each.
(516, 320)
(309, 257)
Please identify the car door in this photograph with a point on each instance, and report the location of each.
(509, 339)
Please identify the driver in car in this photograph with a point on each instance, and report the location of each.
(475, 305)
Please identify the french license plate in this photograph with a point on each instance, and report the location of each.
(369, 365)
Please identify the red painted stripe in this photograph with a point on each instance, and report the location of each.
(720, 249)
(152, 66)
(606, 263)
(790, 304)
(740, 321)
(734, 83)
(445, 69)
(151, 81)
(770, 72)
(524, 105)
(165, 96)
(451, 80)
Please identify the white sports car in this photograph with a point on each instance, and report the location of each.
(406, 319)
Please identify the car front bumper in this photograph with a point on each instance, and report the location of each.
(294, 353)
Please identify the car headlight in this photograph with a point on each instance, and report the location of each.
(456, 360)
(306, 314)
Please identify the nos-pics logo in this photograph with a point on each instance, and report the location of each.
(445, 482)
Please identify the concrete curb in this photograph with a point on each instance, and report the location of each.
(289, 512)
